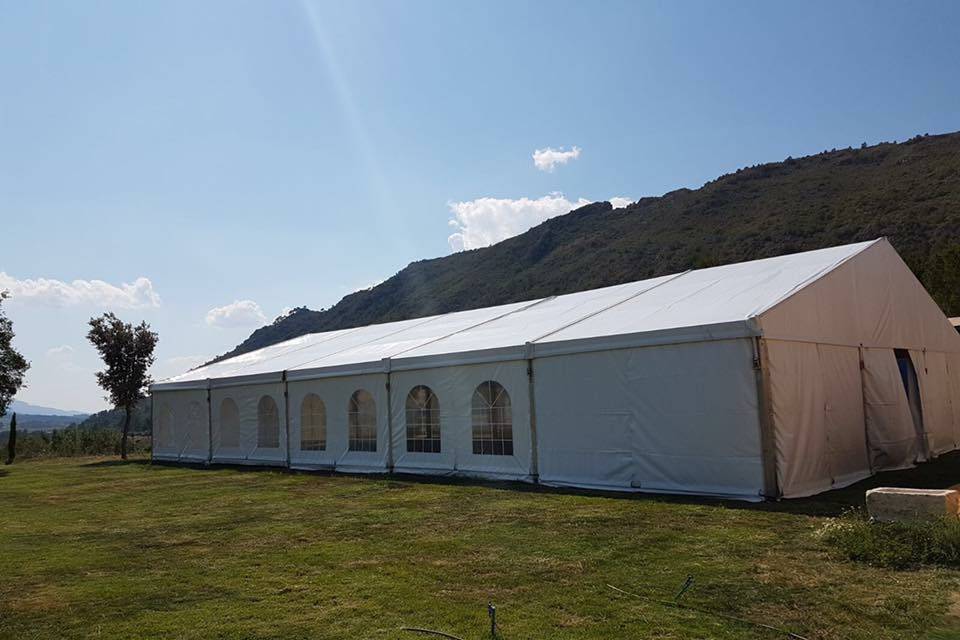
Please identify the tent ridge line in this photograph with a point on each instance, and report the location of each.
(611, 306)
(473, 326)
(355, 346)
(336, 333)
(814, 278)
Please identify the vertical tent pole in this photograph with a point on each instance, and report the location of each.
(863, 400)
(531, 396)
(286, 416)
(768, 448)
(209, 424)
(153, 425)
(386, 368)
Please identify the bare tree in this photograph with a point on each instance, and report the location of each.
(127, 352)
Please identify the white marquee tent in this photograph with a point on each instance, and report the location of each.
(779, 377)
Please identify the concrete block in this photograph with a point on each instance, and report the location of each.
(896, 504)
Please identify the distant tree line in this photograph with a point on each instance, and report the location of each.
(74, 441)
(127, 353)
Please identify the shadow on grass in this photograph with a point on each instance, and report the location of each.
(118, 462)
(937, 474)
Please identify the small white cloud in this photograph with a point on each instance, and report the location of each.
(619, 202)
(485, 221)
(547, 159)
(240, 313)
(61, 352)
(136, 295)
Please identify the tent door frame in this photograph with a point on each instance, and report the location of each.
(768, 445)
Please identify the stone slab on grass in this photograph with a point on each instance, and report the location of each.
(897, 504)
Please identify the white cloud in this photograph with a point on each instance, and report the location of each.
(547, 159)
(240, 313)
(619, 202)
(61, 352)
(485, 221)
(136, 295)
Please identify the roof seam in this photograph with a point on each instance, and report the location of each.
(608, 307)
(471, 327)
(370, 341)
(336, 334)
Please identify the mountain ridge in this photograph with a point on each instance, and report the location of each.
(19, 406)
(907, 191)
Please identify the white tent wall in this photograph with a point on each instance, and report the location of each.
(871, 302)
(931, 368)
(871, 299)
(818, 418)
(953, 371)
(673, 418)
(892, 438)
(454, 388)
(335, 392)
(182, 431)
(238, 443)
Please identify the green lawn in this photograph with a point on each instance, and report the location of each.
(94, 548)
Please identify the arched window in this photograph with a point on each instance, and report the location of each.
(229, 423)
(362, 419)
(164, 437)
(313, 424)
(492, 420)
(268, 424)
(423, 421)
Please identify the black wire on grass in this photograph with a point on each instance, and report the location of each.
(678, 605)
(430, 632)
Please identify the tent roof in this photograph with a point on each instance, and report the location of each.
(703, 304)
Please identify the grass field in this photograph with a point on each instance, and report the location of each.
(103, 549)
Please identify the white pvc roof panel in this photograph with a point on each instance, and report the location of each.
(395, 344)
(712, 296)
(683, 302)
(537, 321)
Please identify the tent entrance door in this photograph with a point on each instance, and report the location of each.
(911, 386)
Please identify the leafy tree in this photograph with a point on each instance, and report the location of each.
(13, 366)
(12, 440)
(127, 351)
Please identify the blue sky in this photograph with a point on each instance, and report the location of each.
(169, 159)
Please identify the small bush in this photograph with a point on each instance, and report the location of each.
(899, 545)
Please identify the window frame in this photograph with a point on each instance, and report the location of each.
(358, 433)
(321, 429)
(491, 420)
(268, 435)
(422, 421)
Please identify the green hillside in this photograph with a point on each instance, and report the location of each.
(909, 192)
